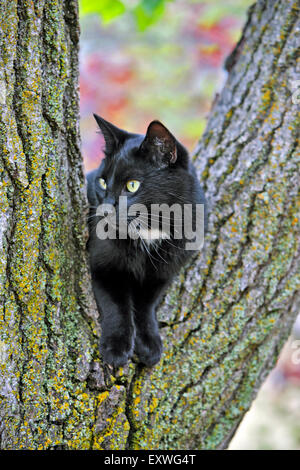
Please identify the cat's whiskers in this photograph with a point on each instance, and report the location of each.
(172, 244)
(154, 246)
(134, 226)
(145, 219)
(142, 220)
(148, 252)
(92, 216)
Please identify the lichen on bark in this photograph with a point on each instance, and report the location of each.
(227, 314)
(46, 339)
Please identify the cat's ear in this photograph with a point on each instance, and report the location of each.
(160, 144)
(113, 136)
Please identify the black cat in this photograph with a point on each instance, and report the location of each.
(131, 270)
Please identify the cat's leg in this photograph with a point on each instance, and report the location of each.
(148, 344)
(115, 305)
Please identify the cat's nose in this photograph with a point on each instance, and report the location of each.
(107, 207)
(109, 200)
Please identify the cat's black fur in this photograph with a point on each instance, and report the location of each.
(130, 276)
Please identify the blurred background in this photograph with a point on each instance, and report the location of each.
(161, 59)
(158, 59)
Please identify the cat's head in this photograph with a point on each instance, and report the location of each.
(147, 169)
(141, 167)
(158, 146)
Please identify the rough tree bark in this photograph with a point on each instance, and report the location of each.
(228, 313)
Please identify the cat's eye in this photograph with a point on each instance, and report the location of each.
(132, 185)
(102, 183)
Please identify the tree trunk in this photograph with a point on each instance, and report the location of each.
(46, 337)
(227, 314)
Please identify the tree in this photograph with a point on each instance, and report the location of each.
(226, 316)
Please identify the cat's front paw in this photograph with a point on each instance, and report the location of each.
(148, 349)
(116, 351)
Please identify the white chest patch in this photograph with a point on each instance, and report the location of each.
(152, 235)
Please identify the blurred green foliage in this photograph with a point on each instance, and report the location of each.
(107, 9)
(148, 12)
(145, 12)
